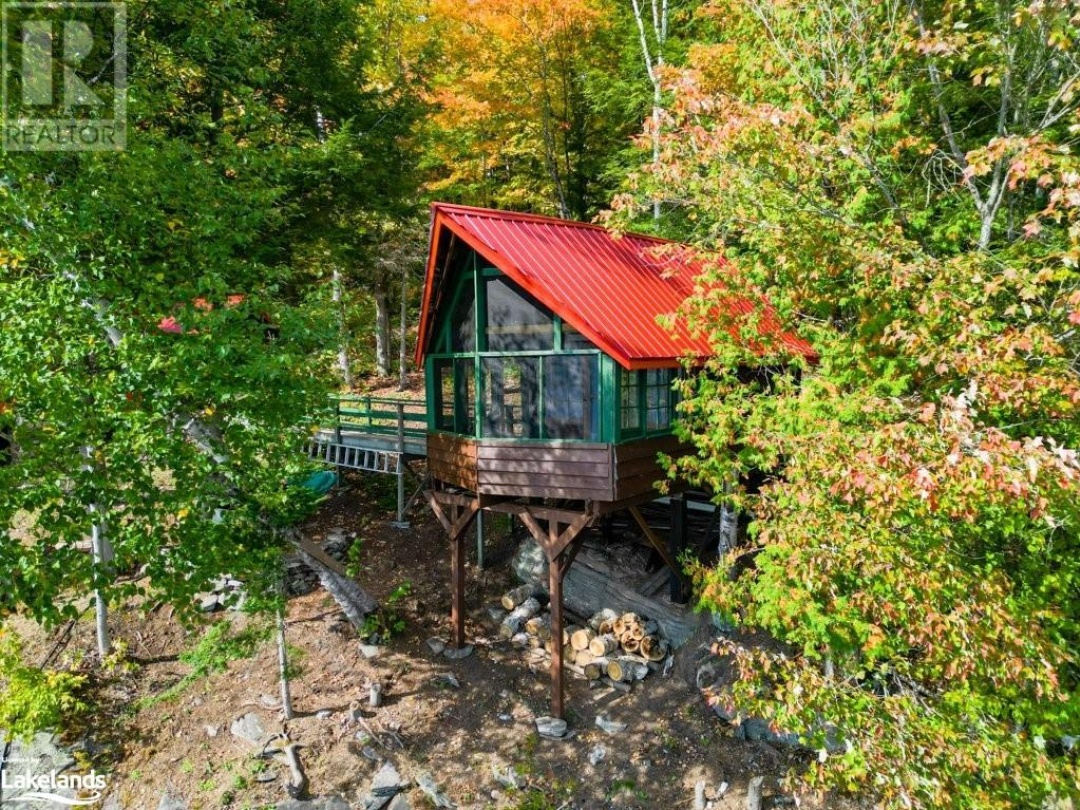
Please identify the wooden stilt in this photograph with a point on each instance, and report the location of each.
(456, 513)
(560, 547)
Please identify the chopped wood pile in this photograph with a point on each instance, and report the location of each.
(615, 648)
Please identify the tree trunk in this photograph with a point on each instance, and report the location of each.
(354, 601)
(382, 333)
(283, 668)
(343, 347)
(102, 552)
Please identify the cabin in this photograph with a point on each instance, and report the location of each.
(549, 377)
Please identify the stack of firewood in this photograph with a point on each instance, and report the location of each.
(620, 647)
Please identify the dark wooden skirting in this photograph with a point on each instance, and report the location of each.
(545, 470)
(636, 468)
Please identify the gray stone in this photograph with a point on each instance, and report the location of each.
(324, 714)
(427, 784)
(551, 727)
(170, 801)
(370, 651)
(608, 726)
(454, 654)
(399, 802)
(211, 731)
(758, 730)
(384, 787)
(249, 727)
(210, 604)
(322, 803)
(436, 645)
(39, 756)
(597, 755)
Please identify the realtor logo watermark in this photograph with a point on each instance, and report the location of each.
(65, 76)
(50, 789)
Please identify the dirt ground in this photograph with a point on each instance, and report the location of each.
(463, 734)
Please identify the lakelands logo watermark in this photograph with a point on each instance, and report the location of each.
(65, 76)
(44, 789)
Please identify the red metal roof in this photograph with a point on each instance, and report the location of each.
(611, 289)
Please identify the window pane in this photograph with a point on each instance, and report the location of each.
(444, 394)
(631, 407)
(465, 397)
(571, 405)
(515, 321)
(463, 321)
(573, 340)
(658, 399)
(511, 394)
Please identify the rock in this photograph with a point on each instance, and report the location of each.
(609, 726)
(249, 727)
(448, 679)
(551, 727)
(39, 756)
(454, 654)
(436, 645)
(506, 718)
(399, 802)
(265, 777)
(323, 803)
(210, 603)
(324, 714)
(370, 651)
(597, 755)
(757, 730)
(169, 801)
(427, 784)
(384, 786)
(211, 731)
(508, 778)
(371, 753)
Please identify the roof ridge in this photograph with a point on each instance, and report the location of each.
(523, 216)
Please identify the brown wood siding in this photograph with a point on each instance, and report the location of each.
(574, 471)
(636, 467)
(452, 459)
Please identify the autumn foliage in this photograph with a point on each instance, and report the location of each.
(901, 178)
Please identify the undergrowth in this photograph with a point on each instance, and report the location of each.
(218, 646)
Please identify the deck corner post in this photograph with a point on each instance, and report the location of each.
(401, 523)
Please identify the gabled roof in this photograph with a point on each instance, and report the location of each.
(611, 289)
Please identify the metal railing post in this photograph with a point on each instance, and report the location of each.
(401, 523)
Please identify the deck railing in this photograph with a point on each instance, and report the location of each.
(387, 416)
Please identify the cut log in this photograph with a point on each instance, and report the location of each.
(581, 639)
(636, 631)
(598, 618)
(596, 669)
(583, 658)
(630, 644)
(539, 626)
(626, 670)
(515, 622)
(654, 649)
(519, 595)
(603, 645)
(535, 643)
(606, 628)
(568, 632)
(520, 639)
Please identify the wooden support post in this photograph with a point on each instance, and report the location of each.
(555, 580)
(560, 548)
(676, 545)
(462, 512)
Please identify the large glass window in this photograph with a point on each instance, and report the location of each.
(444, 394)
(515, 320)
(657, 399)
(455, 395)
(463, 320)
(573, 340)
(511, 394)
(630, 402)
(571, 403)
